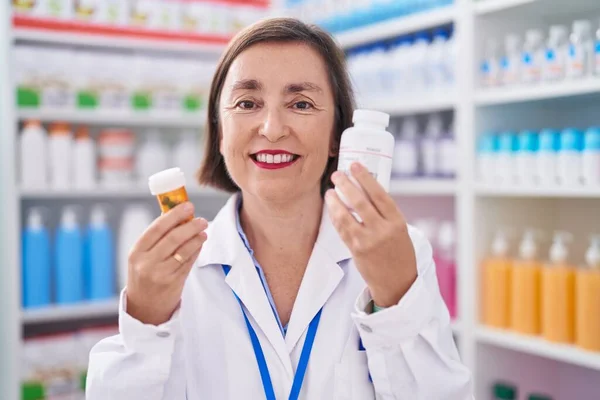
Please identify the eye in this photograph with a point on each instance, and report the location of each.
(303, 105)
(246, 105)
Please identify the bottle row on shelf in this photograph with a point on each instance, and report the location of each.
(507, 391)
(337, 16)
(427, 153)
(550, 157)
(192, 16)
(411, 65)
(79, 79)
(442, 236)
(55, 366)
(77, 260)
(564, 55)
(63, 161)
(555, 299)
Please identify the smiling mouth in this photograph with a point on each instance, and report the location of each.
(268, 160)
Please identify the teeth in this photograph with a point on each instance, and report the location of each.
(269, 158)
(277, 158)
(274, 159)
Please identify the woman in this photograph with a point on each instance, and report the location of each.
(285, 295)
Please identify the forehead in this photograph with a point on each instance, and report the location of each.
(279, 64)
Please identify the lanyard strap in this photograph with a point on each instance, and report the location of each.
(260, 356)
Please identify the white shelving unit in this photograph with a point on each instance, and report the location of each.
(122, 119)
(70, 312)
(531, 363)
(132, 192)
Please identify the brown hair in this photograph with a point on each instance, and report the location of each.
(213, 171)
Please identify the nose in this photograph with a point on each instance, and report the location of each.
(273, 128)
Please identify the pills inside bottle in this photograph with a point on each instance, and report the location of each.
(169, 188)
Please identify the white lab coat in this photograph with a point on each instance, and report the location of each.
(204, 352)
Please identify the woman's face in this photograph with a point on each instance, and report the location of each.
(277, 118)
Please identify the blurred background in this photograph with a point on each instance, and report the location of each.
(497, 159)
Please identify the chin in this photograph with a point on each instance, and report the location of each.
(276, 190)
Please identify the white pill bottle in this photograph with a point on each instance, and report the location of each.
(369, 143)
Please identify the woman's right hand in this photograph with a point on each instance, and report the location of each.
(155, 277)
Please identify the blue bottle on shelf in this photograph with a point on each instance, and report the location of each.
(99, 258)
(68, 272)
(36, 262)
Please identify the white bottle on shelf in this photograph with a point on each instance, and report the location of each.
(591, 157)
(511, 62)
(135, 220)
(505, 168)
(526, 158)
(447, 153)
(581, 50)
(84, 160)
(60, 148)
(406, 155)
(33, 156)
(570, 157)
(487, 153)
(436, 55)
(547, 157)
(187, 154)
(533, 56)
(419, 59)
(430, 145)
(490, 67)
(557, 53)
(597, 53)
(152, 156)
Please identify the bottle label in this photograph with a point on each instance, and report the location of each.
(510, 70)
(576, 63)
(555, 64)
(447, 157)
(532, 66)
(378, 164)
(489, 73)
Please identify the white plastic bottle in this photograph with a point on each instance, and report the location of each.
(533, 56)
(580, 62)
(436, 56)
(447, 153)
(368, 143)
(400, 60)
(60, 146)
(84, 160)
(511, 62)
(597, 53)
(187, 154)
(547, 157)
(505, 168)
(591, 157)
(33, 156)
(135, 220)
(406, 150)
(526, 158)
(430, 145)
(570, 157)
(557, 53)
(420, 62)
(152, 156)
(487, 152)
(490, 67)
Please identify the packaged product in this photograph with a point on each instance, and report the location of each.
(116, 154)
(145, 13)
(28, 75)
(57, 89)
(55, 9)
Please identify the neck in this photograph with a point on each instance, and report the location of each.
(275, 225)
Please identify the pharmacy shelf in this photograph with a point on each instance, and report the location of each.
(130, 192)
(121, 119)
(546, 91)
(71, 33)
(483, 7)
(396, 27)
(539, 347)
(407, 106)
(486, 190)
(423, 187)
(70, 312)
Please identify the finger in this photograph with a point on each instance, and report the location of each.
(177, 237)
(377, 195)
(163, 224)
(343, 221)
(180, 269)
(187, 250)
(358, 200)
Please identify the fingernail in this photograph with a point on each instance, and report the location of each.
(328, 195)
(335, 177)
(188, 207)
(356, 167)
(201, 223)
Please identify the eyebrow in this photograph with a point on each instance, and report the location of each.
(247, 84)
(302, 87)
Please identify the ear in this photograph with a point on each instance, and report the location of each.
(334, 147)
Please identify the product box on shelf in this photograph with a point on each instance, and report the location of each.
(105, 12)
(55, 9)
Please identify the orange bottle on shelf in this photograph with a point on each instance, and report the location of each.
(525, 288)
(587, 289)
(558, 293)
(497, 270)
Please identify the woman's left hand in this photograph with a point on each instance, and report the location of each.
(382, 249)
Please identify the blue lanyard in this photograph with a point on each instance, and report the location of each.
(260, 357)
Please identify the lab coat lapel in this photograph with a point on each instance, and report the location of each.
(224, 246)
(323, 275)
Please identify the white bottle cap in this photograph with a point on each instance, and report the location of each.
(511, 42)
(559, 251)
(592, 255)
(69, 218)
(371, 117)
(558, 30)
(500, 244)
(582, 26)
(34, 219)
(534, 35)
(166, 181)
(528, 247)
(98, 217)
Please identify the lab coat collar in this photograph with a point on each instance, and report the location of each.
(322, 276)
